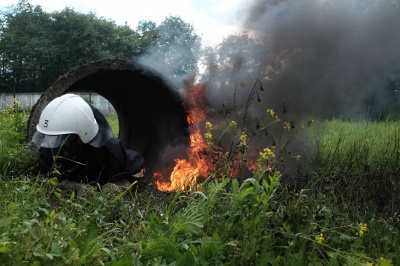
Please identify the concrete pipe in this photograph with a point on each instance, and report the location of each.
(150, 112)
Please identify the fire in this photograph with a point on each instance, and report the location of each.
(187, 172)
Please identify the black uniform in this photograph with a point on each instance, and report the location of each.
(107, 163)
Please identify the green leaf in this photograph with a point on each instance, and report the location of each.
(5, 222)
(11, 207)
(187, 259)
(109, 253)
(106, 250)
(54, 181)
(216, 237)
(39, 253)
(257, 219)
(87, 241)
(72, 197)
(120, 195)
(36, 230)
(385, 262)
(245, 193)
(4, 249)
(235, 186)
(74, 256)
(58, 195)
(45, 211)
(246, 225)
(347, 237)
(55, 249)
(201, 194)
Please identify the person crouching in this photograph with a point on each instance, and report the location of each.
(76, 143)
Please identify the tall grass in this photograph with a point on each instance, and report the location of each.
(15, 156)
(258, 221)
(357, 146)
(358, 162)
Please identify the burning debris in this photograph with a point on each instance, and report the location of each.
(230, 149)
(187, 172)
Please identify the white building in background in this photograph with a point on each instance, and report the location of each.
(28, 100)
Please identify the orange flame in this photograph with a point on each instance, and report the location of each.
(187, 172)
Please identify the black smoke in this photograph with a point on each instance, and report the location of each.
(314, 58)
(327, 58)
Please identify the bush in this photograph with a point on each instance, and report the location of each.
(15, 156)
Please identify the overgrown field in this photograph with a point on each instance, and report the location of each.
(339, 207)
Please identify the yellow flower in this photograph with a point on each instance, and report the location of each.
(233, 124)
(286, 126)
(363, 227)
(319, 238)
(243, 139)
(243, 84)
(209, 126)
(266, 154)
(297, 157)
(362, 230)
(208, 136)
(271, 112)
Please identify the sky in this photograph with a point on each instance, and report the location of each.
(212, 19)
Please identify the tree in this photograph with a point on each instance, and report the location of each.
(238, 58)
(36, 47)
(22, 44)
(79, 38)
(148, 33)
(176, 50)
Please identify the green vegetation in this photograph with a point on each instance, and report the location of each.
(15, 157)
(36, 46)
(357, 145)
(263, 220)
(358, 163)
(340, 206)
(112, 119)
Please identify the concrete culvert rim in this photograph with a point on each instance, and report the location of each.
(150, 112)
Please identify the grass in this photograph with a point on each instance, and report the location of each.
(358, 145)
(112, 119)
(358, 162)
(345, 213)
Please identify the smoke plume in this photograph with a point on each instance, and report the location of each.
(322, 57)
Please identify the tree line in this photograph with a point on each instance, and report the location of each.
(36, 47)
(315, 70)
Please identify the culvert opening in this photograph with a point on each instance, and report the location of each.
(150, 112)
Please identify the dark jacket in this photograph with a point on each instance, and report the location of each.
(108, 163)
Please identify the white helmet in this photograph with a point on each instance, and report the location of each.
(67, 114)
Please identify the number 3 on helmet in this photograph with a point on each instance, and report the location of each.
(67, 114)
